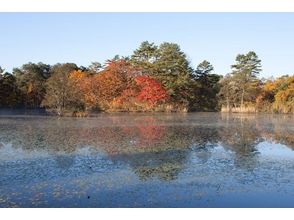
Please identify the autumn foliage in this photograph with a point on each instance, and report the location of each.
(84, 84)
(277, 95)
(118, 87)
(151, 91)
(153, 78)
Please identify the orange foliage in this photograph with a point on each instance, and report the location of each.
(126, 101)
(86, 86)
(118, 87)
(113, 80)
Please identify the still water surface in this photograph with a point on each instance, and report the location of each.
(147, 160)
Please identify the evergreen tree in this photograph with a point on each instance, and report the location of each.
(9, 93)
(1, 70)
(245, 72)
(174, 72)
(169, 65)
(145, 57)
(95, 67)
(206, 89)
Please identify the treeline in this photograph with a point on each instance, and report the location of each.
(153, 78)
(242, 91)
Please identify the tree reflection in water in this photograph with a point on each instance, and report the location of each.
(241, 136)
(64, 162)
(152, 145)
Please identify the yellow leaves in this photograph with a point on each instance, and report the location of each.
(284, 98)
(277, 95)
(287, 91)
(77, 75)
(269, 86)
(30, 87)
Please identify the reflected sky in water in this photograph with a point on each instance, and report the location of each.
(147, 160)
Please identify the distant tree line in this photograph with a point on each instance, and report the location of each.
(153, 78)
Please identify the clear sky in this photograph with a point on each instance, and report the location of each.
(85, 37)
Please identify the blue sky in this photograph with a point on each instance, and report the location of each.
(86, 37)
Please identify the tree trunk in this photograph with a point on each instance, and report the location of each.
(228, 104)
(242, 99)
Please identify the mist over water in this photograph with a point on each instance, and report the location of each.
(22, 111)
(147, 160)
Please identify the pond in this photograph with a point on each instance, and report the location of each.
(147, 160)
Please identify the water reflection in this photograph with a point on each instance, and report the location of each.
(64, 162)
(153, 147)
(241, 136)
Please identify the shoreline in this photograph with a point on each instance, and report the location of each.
(30, 112)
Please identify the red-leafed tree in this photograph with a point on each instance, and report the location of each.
(151, 91)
